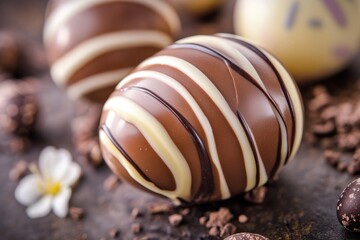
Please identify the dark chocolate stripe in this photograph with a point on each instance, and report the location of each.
(243, 73)
(123, 152)
(291, 16)
(252, 144)
(336, 11)
(207, 179)
(282, 85)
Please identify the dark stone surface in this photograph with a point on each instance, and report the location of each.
(301, 205)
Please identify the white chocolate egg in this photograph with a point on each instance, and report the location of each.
(313, 39)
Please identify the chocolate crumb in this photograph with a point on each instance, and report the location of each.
(157, 208)
(219, 218)
(185, 211)
(243, 218)
(135, 228)
(203, 220)
(136, 212)
(111, 182)
(257, 195)
(214, 231)
(228, 230)
(332, 157)
(334, 122)
(18, 171)
(76, 213)
(175, 219)
(114, 233)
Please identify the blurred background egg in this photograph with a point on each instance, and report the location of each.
(313, 39)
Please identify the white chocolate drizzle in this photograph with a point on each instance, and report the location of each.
(159, 140)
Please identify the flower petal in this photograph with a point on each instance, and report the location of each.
(41, 208)
(28, 192)
(60, 204)
(47, 160)
(61, 165)
(72, 175)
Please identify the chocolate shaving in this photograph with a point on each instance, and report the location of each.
(157, 208)
(227, 230)
(219, 218)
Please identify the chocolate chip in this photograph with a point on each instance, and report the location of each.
(175, 219)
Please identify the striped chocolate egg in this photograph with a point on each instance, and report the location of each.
(93, 44)
(206, 118)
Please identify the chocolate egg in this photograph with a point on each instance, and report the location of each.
(206, 118)
(93, 44)
(246, 236)
(199, 7)
(348, 207)
(313, 39)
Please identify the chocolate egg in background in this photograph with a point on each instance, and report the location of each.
(93, 44)
(205, 119)
(313, 39)
(198, 8)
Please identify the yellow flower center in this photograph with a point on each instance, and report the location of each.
(52, 188)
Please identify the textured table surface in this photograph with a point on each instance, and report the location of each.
(301, 205)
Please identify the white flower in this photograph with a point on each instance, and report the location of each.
(50, 186)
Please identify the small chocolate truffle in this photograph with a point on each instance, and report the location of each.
(93, 44)
(246, 236)
(348, 207)
(18, 108)
(207, 118)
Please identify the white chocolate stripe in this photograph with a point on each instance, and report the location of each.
(218, 44)
(295, 98)
(205, 83)
(70, 9)
(204, 122)
(159, 140)
(95, 82)
(234, 54)
(66, 66)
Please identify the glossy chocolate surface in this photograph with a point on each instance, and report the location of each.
(92, 45)
(207, 118)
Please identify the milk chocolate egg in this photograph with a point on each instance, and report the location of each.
(206, 118)
(199, 7)
(93, 44)
(313, 39)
